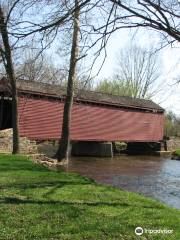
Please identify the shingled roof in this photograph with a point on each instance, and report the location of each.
(56, 91)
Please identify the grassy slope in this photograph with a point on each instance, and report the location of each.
(37, 203)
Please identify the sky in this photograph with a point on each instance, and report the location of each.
(169, 96)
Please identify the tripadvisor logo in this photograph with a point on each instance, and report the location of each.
(139, 231)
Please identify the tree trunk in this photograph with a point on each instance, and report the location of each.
(1, 112)
(11, 76)
(63, 149)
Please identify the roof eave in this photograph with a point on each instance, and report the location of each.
(77, 99)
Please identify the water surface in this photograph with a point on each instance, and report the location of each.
(153, 176)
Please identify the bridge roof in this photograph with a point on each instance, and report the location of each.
(55, 91)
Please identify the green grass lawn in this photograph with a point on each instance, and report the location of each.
(36, 203)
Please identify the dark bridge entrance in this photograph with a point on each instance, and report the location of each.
(5, 113)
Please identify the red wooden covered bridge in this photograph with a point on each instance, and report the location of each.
(95, 116)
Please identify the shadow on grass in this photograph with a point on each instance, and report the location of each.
(33, 201)
(7, 167)
(13, 200)
(43, 184)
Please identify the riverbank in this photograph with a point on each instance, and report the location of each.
(37, 203)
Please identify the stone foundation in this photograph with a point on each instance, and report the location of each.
(173, 143)
(46, 161)
(26, 146)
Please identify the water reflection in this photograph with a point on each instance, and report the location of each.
(151, 175)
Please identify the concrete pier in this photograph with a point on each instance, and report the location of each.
(92, 149)
(143, 147)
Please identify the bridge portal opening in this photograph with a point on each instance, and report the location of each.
(5, 113)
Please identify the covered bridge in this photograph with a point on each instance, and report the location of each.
(95, 116)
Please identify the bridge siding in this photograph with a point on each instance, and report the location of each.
(42, 118)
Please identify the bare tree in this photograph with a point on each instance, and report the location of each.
(40, 68)
(160, 15)
(62, 152)
(136, 75)
(49, 25)
(6, 54)
(52, 16)
(138, 71)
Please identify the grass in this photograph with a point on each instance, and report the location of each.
(177, 152)
(36, 203)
